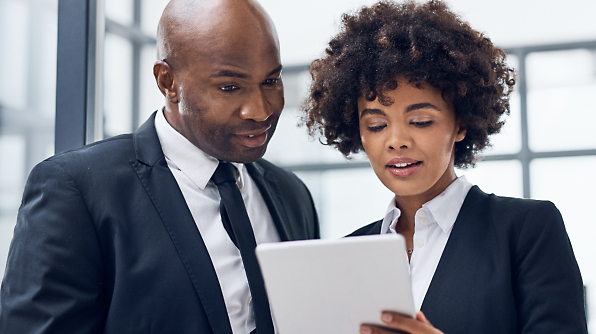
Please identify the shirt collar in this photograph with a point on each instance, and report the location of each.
(390, 219)
(443, 209)
(183, 155)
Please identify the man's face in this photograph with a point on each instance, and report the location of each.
(230, 93)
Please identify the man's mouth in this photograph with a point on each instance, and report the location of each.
(254, 139)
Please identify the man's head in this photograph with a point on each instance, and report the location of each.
(220, 71)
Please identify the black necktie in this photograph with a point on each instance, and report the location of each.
(233, 213)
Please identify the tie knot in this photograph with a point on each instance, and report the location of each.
(225, 172)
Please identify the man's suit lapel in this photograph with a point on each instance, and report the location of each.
(452, 282)
(151, 168)
(271, 194)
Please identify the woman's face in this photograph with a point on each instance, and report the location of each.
(410, 144)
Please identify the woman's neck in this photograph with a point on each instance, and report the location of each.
(409, 205)
(408, 208)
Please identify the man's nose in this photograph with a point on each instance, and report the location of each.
(257, 107)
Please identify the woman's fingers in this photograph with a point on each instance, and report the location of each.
(393, 320)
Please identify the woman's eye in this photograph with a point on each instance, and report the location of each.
(228, 88)
(422, 124)
(377, 128)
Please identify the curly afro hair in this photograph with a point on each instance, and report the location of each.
(425, 43)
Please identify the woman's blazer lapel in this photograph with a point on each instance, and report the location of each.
(466, 260)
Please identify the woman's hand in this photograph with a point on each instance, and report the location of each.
(420, 325)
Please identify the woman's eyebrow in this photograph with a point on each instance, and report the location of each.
(423, 105)
(372, 112)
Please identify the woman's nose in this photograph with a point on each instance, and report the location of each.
(399, 139)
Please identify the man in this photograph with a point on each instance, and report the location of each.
(125, 235)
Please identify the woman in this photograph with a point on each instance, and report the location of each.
(420, 92)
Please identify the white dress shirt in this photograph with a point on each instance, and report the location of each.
(433, 224)
(192, 169)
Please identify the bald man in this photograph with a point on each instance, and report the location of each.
(125, 235)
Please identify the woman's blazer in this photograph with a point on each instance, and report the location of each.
(508, 267)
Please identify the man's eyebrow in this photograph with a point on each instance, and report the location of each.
(275, 71)
(234, 74)
(423, 105)
(229, 73)
(372, 112)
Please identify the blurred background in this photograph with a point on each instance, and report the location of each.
(547, 149)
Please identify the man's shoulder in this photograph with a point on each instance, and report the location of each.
(99, 155)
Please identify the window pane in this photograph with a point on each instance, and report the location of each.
(14, 31)
(570, 184)
(508, 141)
(560, 68)
(121, 11)
(27, 101)
(561, 100)
(305, 150)
(503, 178)
(151, 97)
(150, 13)
(291, 144)
(347, 199)
(117, 86)
(562, 118)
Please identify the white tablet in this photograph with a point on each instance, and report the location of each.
(333, 286)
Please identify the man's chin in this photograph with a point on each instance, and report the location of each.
(245, 155)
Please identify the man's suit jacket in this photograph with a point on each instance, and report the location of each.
(508, 267)
(105, 242)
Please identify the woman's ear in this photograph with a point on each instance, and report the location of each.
(461, 132)
(166, 81)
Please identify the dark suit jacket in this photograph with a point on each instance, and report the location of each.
(508, 267)
(104, 242)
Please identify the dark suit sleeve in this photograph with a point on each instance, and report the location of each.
(548, 283)
(52, 282)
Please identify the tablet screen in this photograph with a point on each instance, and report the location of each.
(333, 286)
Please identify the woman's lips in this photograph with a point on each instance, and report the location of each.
(403, 167)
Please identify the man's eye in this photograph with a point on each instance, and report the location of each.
(228, 88)
(270, 82)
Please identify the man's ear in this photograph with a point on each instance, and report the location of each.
(166, 81)
(461, 132)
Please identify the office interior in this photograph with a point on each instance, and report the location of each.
(547, 149)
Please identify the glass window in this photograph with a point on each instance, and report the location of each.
(291, 144)
(561, 100)
(27, 101)
(150, 13)
(508, 141)
(347, 199)
(305, 150)
(121, 11)
(560, 68)
(15, 31)
(117, 85)
(151, 97)
(570, 183)
(562, 118)
(503, 178)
